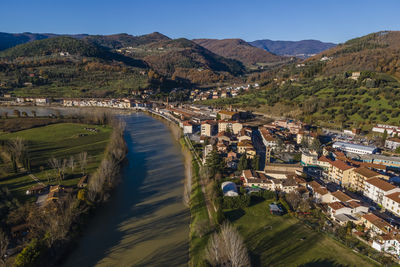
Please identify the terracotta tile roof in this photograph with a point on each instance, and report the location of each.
(341, 196)
(341, 165)
(381, 184)
(397, 140)
(353, 204)
(375, 220)
(324, 159)
(317, 188)
(394, 196)
(336, 205)
(366, 172)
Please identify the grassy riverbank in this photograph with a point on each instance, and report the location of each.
(61, 140)
(199, 223)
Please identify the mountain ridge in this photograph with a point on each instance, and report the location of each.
(302, 48)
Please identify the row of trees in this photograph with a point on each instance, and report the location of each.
(106, 176)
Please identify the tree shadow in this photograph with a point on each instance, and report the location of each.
(234, 215)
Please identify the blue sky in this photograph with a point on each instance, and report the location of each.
(326, 20)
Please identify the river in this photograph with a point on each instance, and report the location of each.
(145, 223)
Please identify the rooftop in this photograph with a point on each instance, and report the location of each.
(354, 146)
(381, 184)
(341, 196)
(341, 165)
(366, 172)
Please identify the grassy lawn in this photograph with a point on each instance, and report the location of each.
(285, 241)
(61, 141)
(199, 214)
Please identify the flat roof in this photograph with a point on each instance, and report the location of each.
(354, 146)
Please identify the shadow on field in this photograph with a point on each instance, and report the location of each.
(322, 263)
(234, 215)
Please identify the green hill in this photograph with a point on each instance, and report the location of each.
(117, 41)
(378, 52)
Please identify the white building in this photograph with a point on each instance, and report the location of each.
(354, 148)
(376, 188)
(391, 202)
(392, 143)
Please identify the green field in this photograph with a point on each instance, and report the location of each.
(61, 141)
(285, 241)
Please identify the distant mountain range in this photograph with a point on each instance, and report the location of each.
(300, 49)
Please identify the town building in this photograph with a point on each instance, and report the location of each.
(376, 188)
(391, 202)
(354, 148)
(228, 115)
(392, 143)
(209, 128)
(339, 172)
(360, 175)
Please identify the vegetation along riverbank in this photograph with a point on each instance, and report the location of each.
(54, 172)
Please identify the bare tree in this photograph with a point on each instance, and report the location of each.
(3, 246)
(227, 248)
(59, 166)
(71, 163)
(235, 247)
(294, 199)
(83, 161)
(19, 152)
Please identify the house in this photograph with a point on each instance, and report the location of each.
(341, 196)
(242, 147)
(337, 207)
(259, 179)
(228, 115)
(340, 172)
(360, 175)
(232, 126)
(391, 202)
(392, 143)
(355, 75)
(209, 128)
(324, 163)
(389, 243)
(267, 138)
(377, 225)
(251, 178)
(187, 127)
(376, 188)
(309, 158)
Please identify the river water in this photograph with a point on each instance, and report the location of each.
(145, 222)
